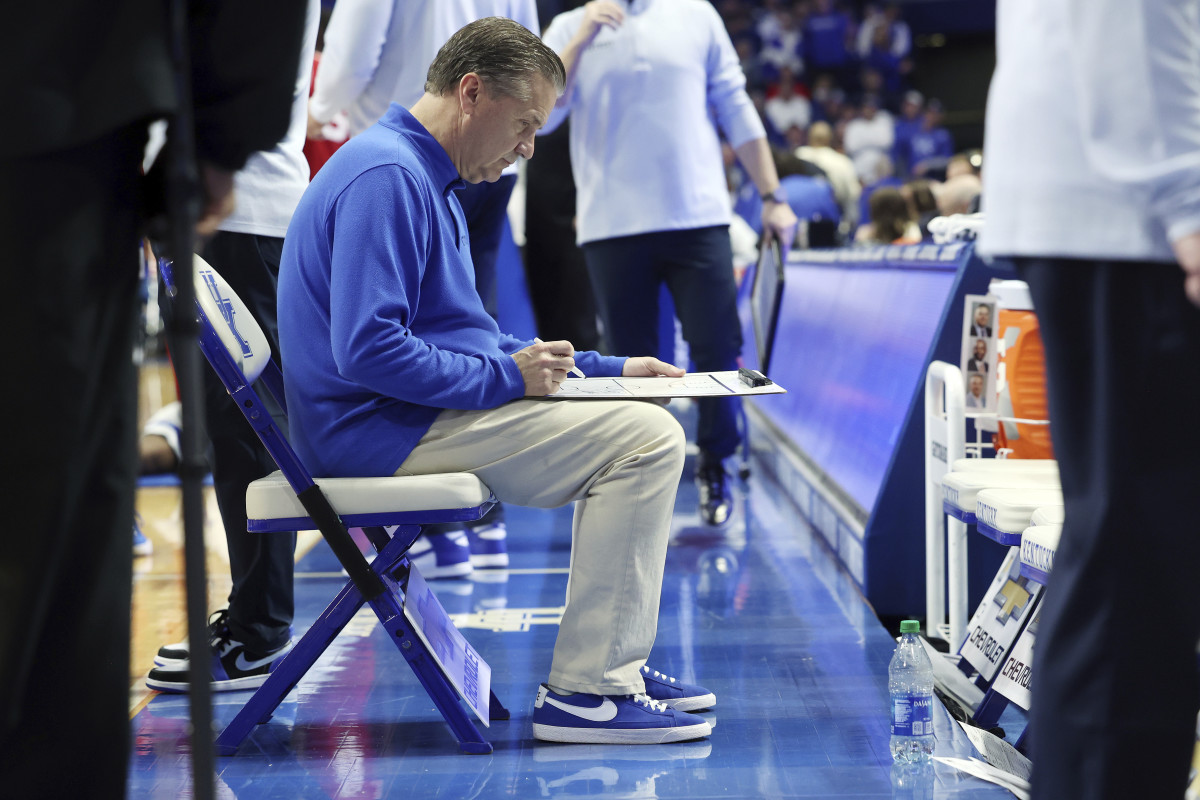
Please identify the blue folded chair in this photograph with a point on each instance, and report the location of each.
(292, 499)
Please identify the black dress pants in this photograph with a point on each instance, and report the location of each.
(1115, 672)
(69, 250)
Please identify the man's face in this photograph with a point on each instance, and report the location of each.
(980, 349)
(976, 385)
(982, 315)
(500, 129)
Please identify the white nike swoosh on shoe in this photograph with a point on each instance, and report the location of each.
(245, 666)
(604, 712)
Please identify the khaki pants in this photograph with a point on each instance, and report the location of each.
(620, 461)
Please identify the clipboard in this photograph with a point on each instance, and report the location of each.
(693, 384)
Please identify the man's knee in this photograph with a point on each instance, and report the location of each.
(655, 426)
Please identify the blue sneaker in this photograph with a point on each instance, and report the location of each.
(611, 719)
(489, 549)
(142, 546)
(442, 555)
(675, 693)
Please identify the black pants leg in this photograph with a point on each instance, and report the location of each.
(262, 600)
(697, 266)
(69, 234)
(1115, 684)
(485, 206)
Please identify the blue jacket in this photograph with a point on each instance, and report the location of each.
(380, 326)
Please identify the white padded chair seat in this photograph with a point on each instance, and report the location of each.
(960, 490)
(1004, 514)
(1004, 465)
(272, 497)
(1038, 545)
(1049, 515)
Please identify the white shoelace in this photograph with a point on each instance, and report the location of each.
(658, 675)
(650, 703)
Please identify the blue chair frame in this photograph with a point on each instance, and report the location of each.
(380, 583)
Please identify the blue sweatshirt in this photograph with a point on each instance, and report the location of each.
(380, 326)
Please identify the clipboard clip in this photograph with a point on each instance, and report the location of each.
(753, 378)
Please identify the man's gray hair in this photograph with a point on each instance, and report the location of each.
(503, 53)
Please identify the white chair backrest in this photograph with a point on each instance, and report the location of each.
(244, 340)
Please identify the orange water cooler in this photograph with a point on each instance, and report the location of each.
(1020, 374)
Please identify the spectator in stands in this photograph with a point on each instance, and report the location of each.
(1093, 189)
(752, 64)
(890, 220)
(908, 123)
(811, 197)
(897, 37)
(893, 70)
(881, 176)
(782, 48)
(838, 169)
(869, 137)
(829, 41)
(788, 107)
(968, 162)
(921, 203)
(931, 146)
(653, 206)
(956, 195)
(828, 99)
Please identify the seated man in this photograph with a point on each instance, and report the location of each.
(392, 366)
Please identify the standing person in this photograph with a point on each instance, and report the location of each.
(653, 207)
(72, 212)
(254, 631)
(378, 52)
(392, 366)
(1093, 188)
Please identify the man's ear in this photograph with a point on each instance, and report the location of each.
(470, 92)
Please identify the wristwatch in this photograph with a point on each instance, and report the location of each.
(777, 196)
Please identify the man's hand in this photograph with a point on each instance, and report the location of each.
(544, 366)
(1187, 252)
(216, 184)
(596, 16)
(650, 367)
(779, 222)
(315, 129)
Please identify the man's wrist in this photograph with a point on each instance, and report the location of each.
(776, 196)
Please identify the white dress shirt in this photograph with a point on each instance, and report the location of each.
(378, 52)
(644, 147)
(1093, 129)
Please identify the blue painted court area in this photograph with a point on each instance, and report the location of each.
(758, 612)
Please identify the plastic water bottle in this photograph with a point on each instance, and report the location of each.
(910, 683)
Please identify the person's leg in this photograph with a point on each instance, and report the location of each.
(699, 273)
(1114, 693)
(621, 462)
(261, 602)
(625, 281)
(69, 232)
(485, 207)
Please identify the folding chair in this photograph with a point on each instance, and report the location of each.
(291, 499)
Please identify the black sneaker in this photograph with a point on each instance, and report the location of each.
(233, 668)
(714, 494)
(175, 656)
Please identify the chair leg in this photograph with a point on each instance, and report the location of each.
(291, 669)
(389, 608)
(390, 564)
